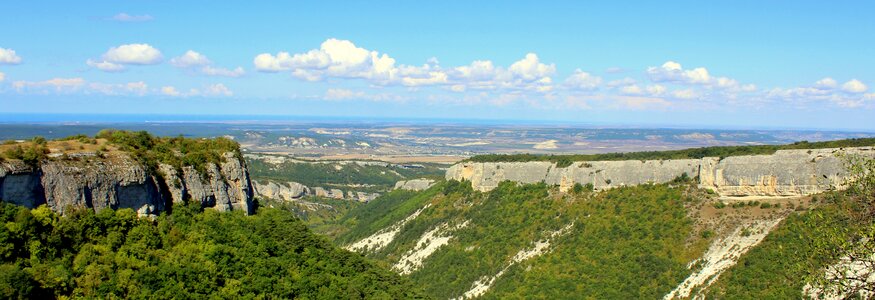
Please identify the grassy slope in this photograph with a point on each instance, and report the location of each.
(624, 243)
(776, 269)
(383, 212)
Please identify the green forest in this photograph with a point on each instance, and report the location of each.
(626, 243)
(191, 253)
(695, 153)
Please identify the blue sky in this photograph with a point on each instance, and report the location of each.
(739, 64)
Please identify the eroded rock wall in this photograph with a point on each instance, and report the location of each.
(288, 191)
(120, 182)
(785, 173)
(414, 184)
(601, 174)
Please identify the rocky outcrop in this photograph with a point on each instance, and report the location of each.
(328, 193)
(288, 191)
(293, 191)
(785, 173)
(601, 174)
(414, 184)
(118, 181)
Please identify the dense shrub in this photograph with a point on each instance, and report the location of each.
(624, 243)
(176, 151)
(31, 154)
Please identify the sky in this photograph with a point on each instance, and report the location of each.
(716, 64)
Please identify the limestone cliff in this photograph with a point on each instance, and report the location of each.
(118, 181)
(784, 173)
(414, 184)
(288, 191)
(601, 174)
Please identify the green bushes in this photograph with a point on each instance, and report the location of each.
(175, 151)
(625, 243)
(580, 188)
(189, 254)
(80, 138)
(31, 154)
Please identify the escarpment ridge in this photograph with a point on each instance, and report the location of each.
(795, 172)
(122, 174)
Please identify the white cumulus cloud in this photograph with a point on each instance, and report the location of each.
(685, 94)
(2, 77)
(133, 54)
(117, 58)
(190, 59)
(343, 59)
(826, 83)
(217, 90)
(673, 72)
(850, 95)
(583, 81)
(79, 85)
(138, 88)
(656, 89)
(854, 86)
(51, 85)
(170, 91)
(334, 58)
(197, 62)
(105, 66)
(213, 90)
(631, 90)
(8, 57)
(346, 94)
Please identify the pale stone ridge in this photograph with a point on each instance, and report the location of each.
(414, 184)
(601, 174)
(785, 173)
(121, 182)
(288, 191)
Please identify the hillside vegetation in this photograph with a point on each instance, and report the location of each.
(188, 254)
(694, 153)
(636, 242)
(631, 242)
(808, 245)
(175, 151)
(140, 145)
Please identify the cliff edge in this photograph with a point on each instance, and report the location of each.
(118, 177)
(784, 173)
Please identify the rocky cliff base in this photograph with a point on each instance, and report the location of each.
(118, 181)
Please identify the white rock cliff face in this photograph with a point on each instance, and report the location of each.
(601, 174)
(414, 184)
(120, 182)
(283, 191)
(785, 173)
